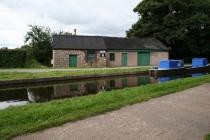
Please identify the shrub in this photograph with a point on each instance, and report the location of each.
(12, 58)
(32, 63)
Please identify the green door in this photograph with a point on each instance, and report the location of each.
(143, 58)
(73, 60)
(124, 59)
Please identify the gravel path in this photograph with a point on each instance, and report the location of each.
(181, 116)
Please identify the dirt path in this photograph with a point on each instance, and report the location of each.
(183, 116)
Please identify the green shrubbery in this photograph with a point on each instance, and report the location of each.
(184, 25)
(12, 58)
(17, 58)
(35, 53)
(32, 63)
(38, 43)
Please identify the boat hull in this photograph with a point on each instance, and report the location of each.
(199, 70)
(180, 71)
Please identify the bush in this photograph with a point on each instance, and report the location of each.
(32, 63)
(12, 58)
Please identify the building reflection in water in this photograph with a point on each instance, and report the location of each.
(22, 96)
(73, 89)
(42, 94)
(86, 88)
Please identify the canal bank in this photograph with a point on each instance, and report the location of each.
(66, 78)
(25, 94)
(12, 78)
(181, 116)
(39, 116)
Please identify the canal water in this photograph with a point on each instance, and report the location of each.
(26, 94)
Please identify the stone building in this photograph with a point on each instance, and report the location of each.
(98, 51)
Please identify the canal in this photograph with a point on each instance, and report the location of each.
(26, 94)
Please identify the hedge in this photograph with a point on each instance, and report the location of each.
(12, 58)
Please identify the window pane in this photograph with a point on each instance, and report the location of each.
(91, 56)
(112, 56)
(102, 55)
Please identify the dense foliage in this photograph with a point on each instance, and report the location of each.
(39, 44)
(183, 25)
(12, 58)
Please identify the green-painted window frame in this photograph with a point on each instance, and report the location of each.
(112, 56)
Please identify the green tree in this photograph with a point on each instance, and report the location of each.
(39, 44)
(183, 25)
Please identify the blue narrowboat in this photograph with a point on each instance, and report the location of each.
(176, 67)
(169, 68)
(199, 65)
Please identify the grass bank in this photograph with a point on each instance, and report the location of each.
(30, 75)
(20, 120)
(207, 137)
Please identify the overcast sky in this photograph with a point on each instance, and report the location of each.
(89, 17)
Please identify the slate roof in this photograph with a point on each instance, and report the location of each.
(105, 43)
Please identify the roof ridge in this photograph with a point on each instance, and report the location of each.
(99, 36)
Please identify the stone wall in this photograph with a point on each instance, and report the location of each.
(61, 59)
(157, 56)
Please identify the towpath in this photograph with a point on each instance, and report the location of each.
(181, 116)
(72, 69)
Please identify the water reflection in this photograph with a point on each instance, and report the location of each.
(93, 87)
(199, 74)
(166, 79)
(42, 94)
(22, 96)
(4, 105)
(36, 94)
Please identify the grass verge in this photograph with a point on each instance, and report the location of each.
(28, 75)
(20, 120)
(207, 137)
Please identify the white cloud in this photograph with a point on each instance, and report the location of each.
(90, 17)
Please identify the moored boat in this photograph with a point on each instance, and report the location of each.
(176, 67)
(199, 65)
(169, 68)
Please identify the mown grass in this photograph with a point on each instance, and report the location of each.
(30, 118)
(28, 75)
